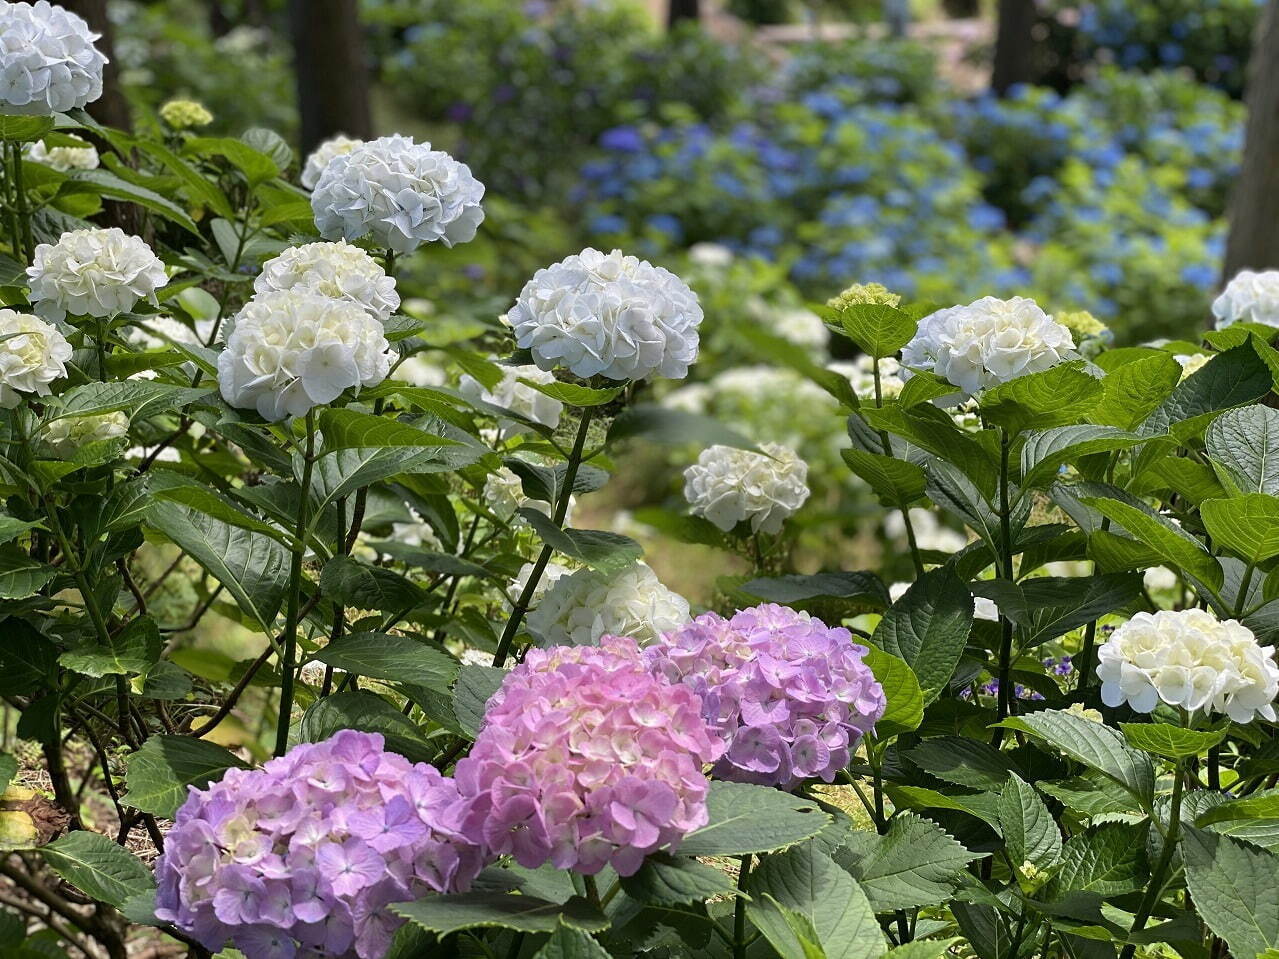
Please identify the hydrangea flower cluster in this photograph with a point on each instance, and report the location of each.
(302, 856)
(789, 695)
(860, 374)
(338, 270)
(1191, 659)
(518, 397)
(730, 486)
(64, 158)
(293, 350)
(93, 273)
(553, 573)
(401, 193)
(987, 342)
(48, 63)
(67, 434)
(1250, 297)
(609, 314)
(504, 494)
(861, 294)
(32, 355)
(319, 158)
(588, 604)
(587, 759)
(185, 114)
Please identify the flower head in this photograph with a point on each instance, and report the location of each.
(185, 114)
(587, 759)
(64, 159)
(504, 494)
(1190, 659)
(550, 576)
(304, 855)
(93, 273)
(730, 486)
(1250, 297)
(608, 314)
(590, 603)
(862, 294)
(48, 63)
(987, 342)
(400, 193)
(789, 695)
(338, 270)
(293, 350)
(32, 355)
(510, 393)
(67, 434)
(339, 145)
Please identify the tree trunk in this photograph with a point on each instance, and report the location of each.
(683, 10)
(897, 17)
(111, 109)
(332, 77)
(962, 9)
(1014, 45)
(1254, 212)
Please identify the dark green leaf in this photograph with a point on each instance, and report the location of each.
(928, 628)
(98, 867)
(666, 880)
(161, 771)
(752, 819)
(449, 914)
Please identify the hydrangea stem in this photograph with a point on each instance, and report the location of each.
(888, 451)
(1005, 698)
(1160, 876)
(287, 667)
(739, 908)
(23, 241)
(544, 557)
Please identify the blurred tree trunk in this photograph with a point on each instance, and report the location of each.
(1014, 45)
(332, 77)
(1254, 209)
(219, 22)
(961, 9)
(683, 10)
(111, 108)
(897, 16)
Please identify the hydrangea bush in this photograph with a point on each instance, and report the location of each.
(310, 658)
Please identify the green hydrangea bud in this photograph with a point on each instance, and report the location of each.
(185, 114)
(861, 293)
(1081, 323)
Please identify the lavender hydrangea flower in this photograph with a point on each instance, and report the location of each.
(789, 695)
(302, 856)
(587, 759)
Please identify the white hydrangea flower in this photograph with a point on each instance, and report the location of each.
(1190, 659)
(1160, 579)
(860, 374)
(553, 573)
(401, 193)
(159, 327)
(48, 63)
(418, 533)
(929, 533)
(712, 255)
(1191, 363)
(93, 273)
(801, 327)
(1250, 297)
(64, 159)
(511, 394)
(729, 486)
(987, 342)
(420, 370)
(588, 604)
(606, 313)
(291, 351)
(336, 270)
(692, 398)
(67, 434)
(504, 494)
(32, 355)
(339, 145)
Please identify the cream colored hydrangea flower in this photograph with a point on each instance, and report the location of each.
(32, 355)
(339, 145)
(336, 270)
(1190, 659)
(504, 494)
(64, 159)
(729, 486)
(1191, 363)
(93, 273)
(185, 114)
(861, 374)
(1251, 297)
(67, 434)
(588, 604)
(987, 342)
(518, 397)
(553, 573)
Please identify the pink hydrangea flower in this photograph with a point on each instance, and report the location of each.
(587, 759)
(302, 856)
(789, 695)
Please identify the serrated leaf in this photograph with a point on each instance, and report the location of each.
(928, 628)
(1250, 807)
(160, 772)
(131, 651)
(896, 482)
(20, 575)
(857, 589)
(392, 657)
(367, 713)
(98, 867)
(905, 709)
(474, 688)
(474, 910)
(1173, 548)
(916, 863)
(1234, 890)
(964, 762)
(935, 432)
(24, 129)
(752, 819)
(574, 394)
(1046, 451)
(1237, 377)
(354, 583)
(1247, 525)
(1052, 397)
(1109, 860)
(1245, 442)
(666, 880)
(1170, 742)
(878, 330)
(1131, 392)
(599, 549)
(1030, 832)
(569, 943)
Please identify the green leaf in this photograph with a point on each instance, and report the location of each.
(1052, 397)
(20, 575)
(928, 628)
(1030, 832)
(1173, 548)
(916, 863)
(23, 129)
(1045, 607)
(935, 432)
(573, 394)
(1251, 807)
(252, 566)
(599, 549)
(790, 933)
(161, 771)
(896, 482)
(877, 329)
(1096, 746)
(98, 867)
(11, 528)
(256, 166)
(964, 762)
(354, 583)
(1245, 442)
(569, 943)
(1247, 525)
(473, 910)
(752, 819)
(8, 769)
(351, 429)
(103, 183)
(1109, 860)
(1170, 742)
(807, 881)
(923, 949)
(131, 651)
(391, 657)
(980, 805)
(367, 713)
(344, 471)
(854, 590)
(474, 688)
(1131, 392)
(666, 880)
(782, 352)
(1236, 377)
(1234, 890)
(1046, 451)
(198, 188)
(905, 710)
(657, 424)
